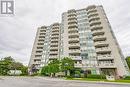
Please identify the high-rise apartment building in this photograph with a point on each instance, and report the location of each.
(86, 36)
(46, 46)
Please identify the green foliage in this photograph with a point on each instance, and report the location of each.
(5, 64)
(77, 74)
(127, 78)
(55, 66)
(44, 70)
(8, 63)
(128, 61)
(69, 77)
(96, 76)
(16, 65)
(24, 70)
(67, 64)
(52, 67)
(4, 68)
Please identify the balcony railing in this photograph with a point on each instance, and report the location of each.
(98, 32)
(107, 65)
(105, 57)
(78, 65)
(74, 51)
(97, 37)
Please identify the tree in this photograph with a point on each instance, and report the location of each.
(128, 61)
(24, 70)
(44, 70)
(5, 64)
(51, 68)
(3, 68)
(8, 63)
(8, 59)
(67, 64)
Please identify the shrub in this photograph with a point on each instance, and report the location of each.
(127, 78)
(69, 76)
(96, 76)
(77, 74)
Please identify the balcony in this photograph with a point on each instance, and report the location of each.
(91, 8)
(78, 65)
(54, 51)
(42, 34)
(93, 15)
(53, 48)
(99, 37)
(70, 14)
(98, 32)
(93, 23)
(104, 43)
(103, 50)
(55, 36)
(73, 18)
(93, 28)
(53, 57)
(91, 11)
(75, 39)
(40, 53)
(107, 65)
(39, 49)
(74, 45)
(54, 39)
(54, 43)
(55, 27)
(105, 57)
(42, 30)
(74, 24)
(37, 62)
(74, 34)
(40, 40)
(56, 31)
(76, 58)
(73, 30)
(74, 51)
(92, 18)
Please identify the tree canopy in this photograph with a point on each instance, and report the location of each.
(55, 66)
(8, 63)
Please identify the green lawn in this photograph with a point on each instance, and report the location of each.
(90, 79)
(122, 81)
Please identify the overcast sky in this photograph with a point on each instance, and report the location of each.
(17, 33)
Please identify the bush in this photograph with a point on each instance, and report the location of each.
(77, 74)
(69, 76)
(34, 74)
(127, 78)
(96, 76)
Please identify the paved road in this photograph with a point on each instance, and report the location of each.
(51, 82)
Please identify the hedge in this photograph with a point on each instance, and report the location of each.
(127, 78)
(96, 76)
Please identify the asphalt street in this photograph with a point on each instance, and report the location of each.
(52, 82)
